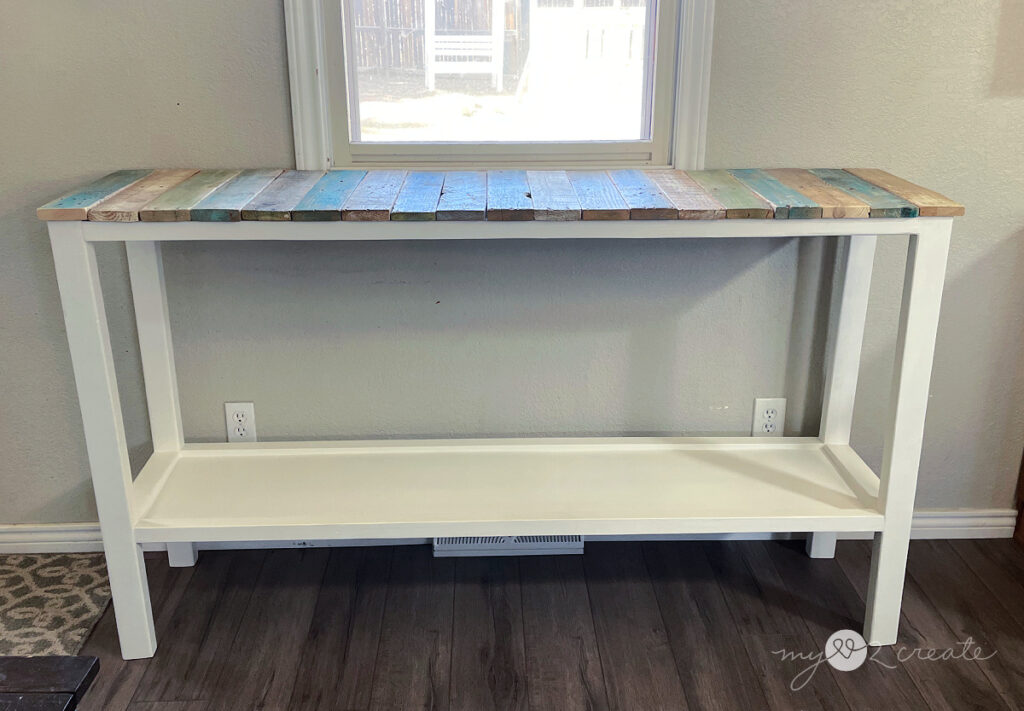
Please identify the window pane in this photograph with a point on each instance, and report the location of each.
(499, 70)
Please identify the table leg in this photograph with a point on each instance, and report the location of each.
(915, 346)
(93, 363)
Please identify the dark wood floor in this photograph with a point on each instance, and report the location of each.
(627, 626)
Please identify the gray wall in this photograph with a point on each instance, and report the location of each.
(513, 338)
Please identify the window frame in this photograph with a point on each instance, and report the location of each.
(319, 97)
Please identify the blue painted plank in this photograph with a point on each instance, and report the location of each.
(508, 196)
(75, 205)
(417, 200)
(324, 201)
(374, 197)
(225, 204)
(882, 202)
(643, 197)
(598, 196)
(464, 196)
(553, 196)
(787, 202)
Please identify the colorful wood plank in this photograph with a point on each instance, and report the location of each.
(739, 202)
(882, 202)
(834, 203)
(324, 201)
(225, 204)
(598, 196)
(553, 196)
(689, 198)
(464, 196)
(929, 202)
(373, 198)
(277, 200)
(124, 205)
(785, 201)
(508, 196)
(642, 195)
(417, 200)
(75, 205)
(175, 204)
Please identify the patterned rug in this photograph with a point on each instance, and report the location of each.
(50, 602)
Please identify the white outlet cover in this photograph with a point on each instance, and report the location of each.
(769, 418)
(240, 421)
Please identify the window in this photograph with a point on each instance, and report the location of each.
(497, 82)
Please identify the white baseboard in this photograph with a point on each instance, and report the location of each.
(85, 537)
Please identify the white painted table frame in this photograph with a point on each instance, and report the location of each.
(121, 502)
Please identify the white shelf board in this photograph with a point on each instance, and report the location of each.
(427, 488)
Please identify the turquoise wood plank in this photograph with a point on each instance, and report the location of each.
(598, 196)
(324, 201)
(278, 199)
(882, 202)
(464, 196)
(508, 196)
(643, 196)
(788, 203)
(374, 197)
(75, 206)
(417, 200)
(225, 204)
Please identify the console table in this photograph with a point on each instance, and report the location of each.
(269, 491)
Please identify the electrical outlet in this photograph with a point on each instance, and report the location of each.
(240, 418)
(769, 417)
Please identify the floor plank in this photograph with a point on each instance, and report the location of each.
(710, 657)
(260, 669)
(562, 660)
(414, 657)
(488, 654)
(336, 670)
(639, 668)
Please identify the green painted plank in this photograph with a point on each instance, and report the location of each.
(464, 196)
(508, 196)
(276, 201)
(598, 196)
(738, 200)
(882, 202)
(175, 204)
(553, 196)
(225, 204)
(324, 201)
(643, 196)
(417, 200)
(75, 205)
(787, 202)
(374, 197)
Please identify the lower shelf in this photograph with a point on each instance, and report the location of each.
(426, 488)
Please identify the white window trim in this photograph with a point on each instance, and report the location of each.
(311, 92)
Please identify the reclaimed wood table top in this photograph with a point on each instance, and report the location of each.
(229, 195)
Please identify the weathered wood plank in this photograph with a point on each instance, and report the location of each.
(508, 196)
(175, 204)
(417, 200)
(598, 196)
(464, 196)
(225, 204)
(740, 202)
(372, 199)
(642, 195)
(277, 200)
(76, 205)
(124, 205)
(787, 203)
(324, 201)
(882, 202)
(834, 203)
(553, 196)
(929, 202)
(48, 675)
(689, 198)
